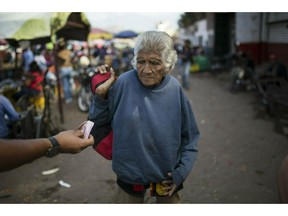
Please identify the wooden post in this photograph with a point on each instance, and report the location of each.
(56, 64)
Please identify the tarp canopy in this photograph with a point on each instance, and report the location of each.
(77, 26)
(44, 26)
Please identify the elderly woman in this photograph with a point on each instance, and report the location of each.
(154, 129)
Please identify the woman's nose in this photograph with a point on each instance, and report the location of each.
(147, 68)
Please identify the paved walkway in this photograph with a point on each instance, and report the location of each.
(239, 152)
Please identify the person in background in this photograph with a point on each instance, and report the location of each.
(155, 134)
(17, 152)
(8, 116)
(65, 66)
(48, 54)
(32, 82)
(40, 59)
(249, 70)
(27, 58)
(187, 59)
(178, 47)
(35, 85)
(277, 68)
(115, 53)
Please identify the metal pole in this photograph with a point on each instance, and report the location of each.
(56, 63)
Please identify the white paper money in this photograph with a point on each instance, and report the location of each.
(87, 127)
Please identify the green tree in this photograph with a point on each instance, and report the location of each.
(189, 18)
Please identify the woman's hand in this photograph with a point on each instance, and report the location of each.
(102, 90)
(168, 186)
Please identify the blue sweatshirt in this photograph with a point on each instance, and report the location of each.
(154, 129)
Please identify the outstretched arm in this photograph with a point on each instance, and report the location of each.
(16, 152)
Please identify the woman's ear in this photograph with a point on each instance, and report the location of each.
(169, 70)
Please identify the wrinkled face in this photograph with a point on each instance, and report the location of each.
(150, 68)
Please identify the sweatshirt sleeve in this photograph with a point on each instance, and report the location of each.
(188, 149)
(99, 111)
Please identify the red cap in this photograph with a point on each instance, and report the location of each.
(98, 79)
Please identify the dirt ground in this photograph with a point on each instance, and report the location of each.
(239, 156)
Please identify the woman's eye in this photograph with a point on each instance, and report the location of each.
(155, 63)
(140, 62)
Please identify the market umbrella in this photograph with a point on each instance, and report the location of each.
(25, 26)
(126, 34)
(43, 27)
(98, 33)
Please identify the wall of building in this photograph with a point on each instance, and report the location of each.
(248, 34)
(262, 34)
(247, 27)
(200, 38)
(258, 34)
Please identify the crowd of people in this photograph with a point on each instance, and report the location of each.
(17, 99)
(109, 54)
(38, 64)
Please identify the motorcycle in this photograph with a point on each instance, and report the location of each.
(85, 95)
(242, 76)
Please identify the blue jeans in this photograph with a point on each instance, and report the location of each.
(66, 74)
(185, 74)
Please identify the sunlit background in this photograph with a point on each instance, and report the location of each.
(117, 21)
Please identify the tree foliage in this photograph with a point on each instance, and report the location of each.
(189, 18)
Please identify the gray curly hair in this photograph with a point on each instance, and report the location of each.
(159, 42)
